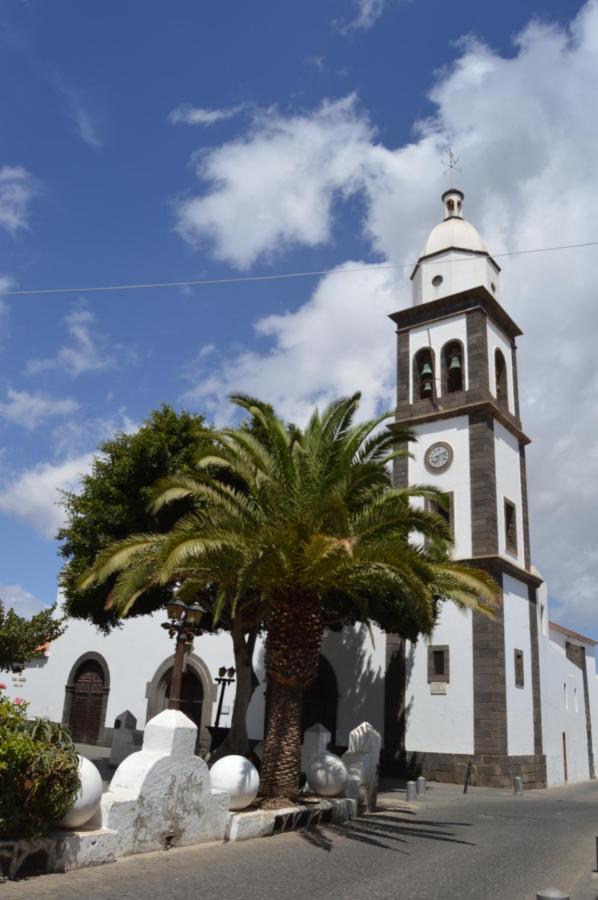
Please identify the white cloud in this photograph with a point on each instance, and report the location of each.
(276, 186)
(85, 122)
(87, 352)
(334, 345)
(317, 63)
(72, 438)
(33, 496)
(17, 188)
(30, 409)
(14, 596)
(527, 147)
(186, 114)
(366, 14)
(5, 285)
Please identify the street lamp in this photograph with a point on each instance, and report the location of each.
(225, 676)
(185, 623)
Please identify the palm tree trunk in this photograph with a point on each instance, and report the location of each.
(237, 739)
(294, 626)
(279, 777)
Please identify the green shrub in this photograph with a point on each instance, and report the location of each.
(39, 776)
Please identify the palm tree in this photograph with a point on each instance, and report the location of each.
(307, 517)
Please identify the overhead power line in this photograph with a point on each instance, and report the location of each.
(279, 276)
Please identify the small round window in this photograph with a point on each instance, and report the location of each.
(437, 280)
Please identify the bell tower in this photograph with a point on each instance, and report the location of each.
(473, 693)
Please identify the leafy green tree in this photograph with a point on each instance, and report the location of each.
(22, 640)
(114, 502)
(314, 526)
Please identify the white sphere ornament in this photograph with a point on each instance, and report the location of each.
(327, 775)
(238, 777)
(88, 797)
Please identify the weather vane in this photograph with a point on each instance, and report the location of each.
(450, 164)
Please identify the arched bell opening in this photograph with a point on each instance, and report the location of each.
(500, 373)
(423, 374)
(452, 368)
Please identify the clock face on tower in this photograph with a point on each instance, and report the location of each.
(438, 457)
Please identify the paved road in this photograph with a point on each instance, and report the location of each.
(488, 845)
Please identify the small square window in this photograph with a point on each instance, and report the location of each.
(519, 676)
(445, 512)
(438, 663)
(510, 526)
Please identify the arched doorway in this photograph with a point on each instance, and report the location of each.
(191, 695)
(86, 699)
(320, 700)
(197, 694)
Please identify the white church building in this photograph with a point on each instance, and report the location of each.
(516, 695)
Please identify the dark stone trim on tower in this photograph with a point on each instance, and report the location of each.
(401, 467)
(536, 686)
(402, 368)
(482, 470)
(477, 355)
(395, 683)
(487, 770)
(515, 378)
(453, 306)
(577, 655)
(457, 405)
(524, 507)
(489, 681)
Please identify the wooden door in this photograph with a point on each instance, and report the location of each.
(87, 705)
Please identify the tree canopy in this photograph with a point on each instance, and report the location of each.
(22, 640)
(305, 521)
(114, 503)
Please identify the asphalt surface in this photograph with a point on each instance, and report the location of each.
(487, 845)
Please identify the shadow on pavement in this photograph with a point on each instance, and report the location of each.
(385, 831)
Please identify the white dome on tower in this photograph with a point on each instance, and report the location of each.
(455, 258)
(454, 231)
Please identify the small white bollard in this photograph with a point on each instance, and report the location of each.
(552, 894)
(411, 792)
(421, 786)
(518, 785)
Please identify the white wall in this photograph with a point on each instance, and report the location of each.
(520, 708)
(359, 665)
(508, 485)
(593, 692)
(437, 335)
(456, 478)
(497, 340)
(132, 653)
(460, 271)
(442, 723)
(555, 672)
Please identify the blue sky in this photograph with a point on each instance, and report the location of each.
(144, 141)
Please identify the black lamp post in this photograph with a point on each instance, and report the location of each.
(225, 676)
(185, 623)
